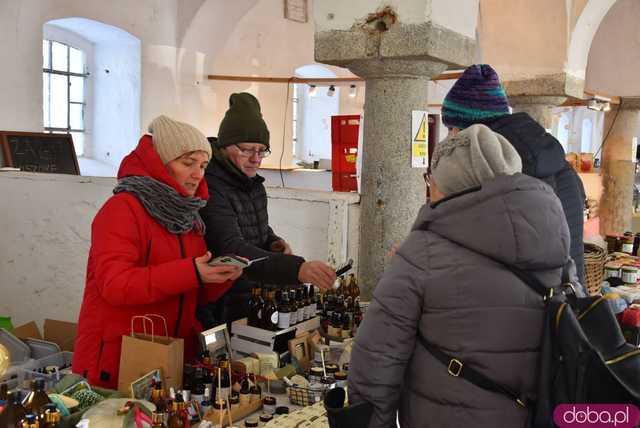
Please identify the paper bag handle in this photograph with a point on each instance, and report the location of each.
(164, 321)
(143, 318)
(147, 317)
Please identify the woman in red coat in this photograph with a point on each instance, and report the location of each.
(148, 254)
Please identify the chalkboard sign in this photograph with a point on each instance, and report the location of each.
(39, 152)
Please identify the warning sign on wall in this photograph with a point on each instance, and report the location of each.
(419, 139)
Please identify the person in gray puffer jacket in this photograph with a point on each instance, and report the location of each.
(448, 284)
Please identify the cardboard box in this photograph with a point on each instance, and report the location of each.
(62, 333)
(27, 330)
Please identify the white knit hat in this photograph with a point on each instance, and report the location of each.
(172, 139)
(471, 157)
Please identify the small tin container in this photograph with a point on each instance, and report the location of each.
(315, 374)
(251, 423)
(269, 404)
(629, 274)
(321, 348)
(331, 369)
(611, 270)
(266, 417)
(341, 379)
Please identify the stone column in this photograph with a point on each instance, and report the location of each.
(539, 108)
(538, 96)
(618, 166)
(397, 65)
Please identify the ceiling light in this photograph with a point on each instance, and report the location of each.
(606, 106)
(331, 91)
(313, 90)
(353, 91)
(593, 105)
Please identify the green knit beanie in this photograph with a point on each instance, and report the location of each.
(243, 122)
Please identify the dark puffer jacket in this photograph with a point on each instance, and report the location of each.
(444, 285)
(543, 158)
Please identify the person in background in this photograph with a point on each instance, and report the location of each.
(449, 285)
(148, 254)
(478, 97)
(236, 214)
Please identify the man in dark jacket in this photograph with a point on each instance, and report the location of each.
(478, 97)
(236, 213)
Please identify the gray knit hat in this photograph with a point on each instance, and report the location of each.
(473, 156)
(172, 139)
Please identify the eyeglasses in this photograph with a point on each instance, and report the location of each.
(247, 153)
(427, 179)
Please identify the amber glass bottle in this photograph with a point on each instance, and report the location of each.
(270, 313)
(284, 311)
(37, 398)
(13, 413)
(51, 417)
(178, 415)
(255, 307)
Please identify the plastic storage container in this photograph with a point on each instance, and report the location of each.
(344, 152)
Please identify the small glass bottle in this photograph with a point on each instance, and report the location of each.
(223, 392)
(37, 398)
(245, 391)
(30, 421)
(313, 307)
(4, 392)
(205, 405)
(14, 411)
(294, 309)
(300, 305)
(284, 311)
(51, 416)
(158, 398)
(627, 243)
(178, 417)
(270, 313)
(255, 391)
(157, 419)
(255, 307)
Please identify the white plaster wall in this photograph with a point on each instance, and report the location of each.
(614, 57)
(460, 16)
(45, 225)
(298, 179)
(117, 101)
(457, 15)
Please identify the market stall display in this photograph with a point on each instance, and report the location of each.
(274, 367)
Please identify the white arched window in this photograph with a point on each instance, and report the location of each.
(313, 107)
(64, 75)
(91, 88)
(586, 136)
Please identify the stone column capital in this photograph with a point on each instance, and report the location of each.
(542, 100)
(404, 50)
(554, 85)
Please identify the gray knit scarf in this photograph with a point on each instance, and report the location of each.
(179, 214)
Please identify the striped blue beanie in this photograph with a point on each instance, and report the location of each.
(477, 96)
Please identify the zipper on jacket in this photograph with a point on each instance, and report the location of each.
(177, 327)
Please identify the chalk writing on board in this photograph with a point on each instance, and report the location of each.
(41, 152)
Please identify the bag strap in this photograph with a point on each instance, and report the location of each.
(457, 368)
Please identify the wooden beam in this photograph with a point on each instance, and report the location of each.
(319, 80)
(448, 76)
(592, 94)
